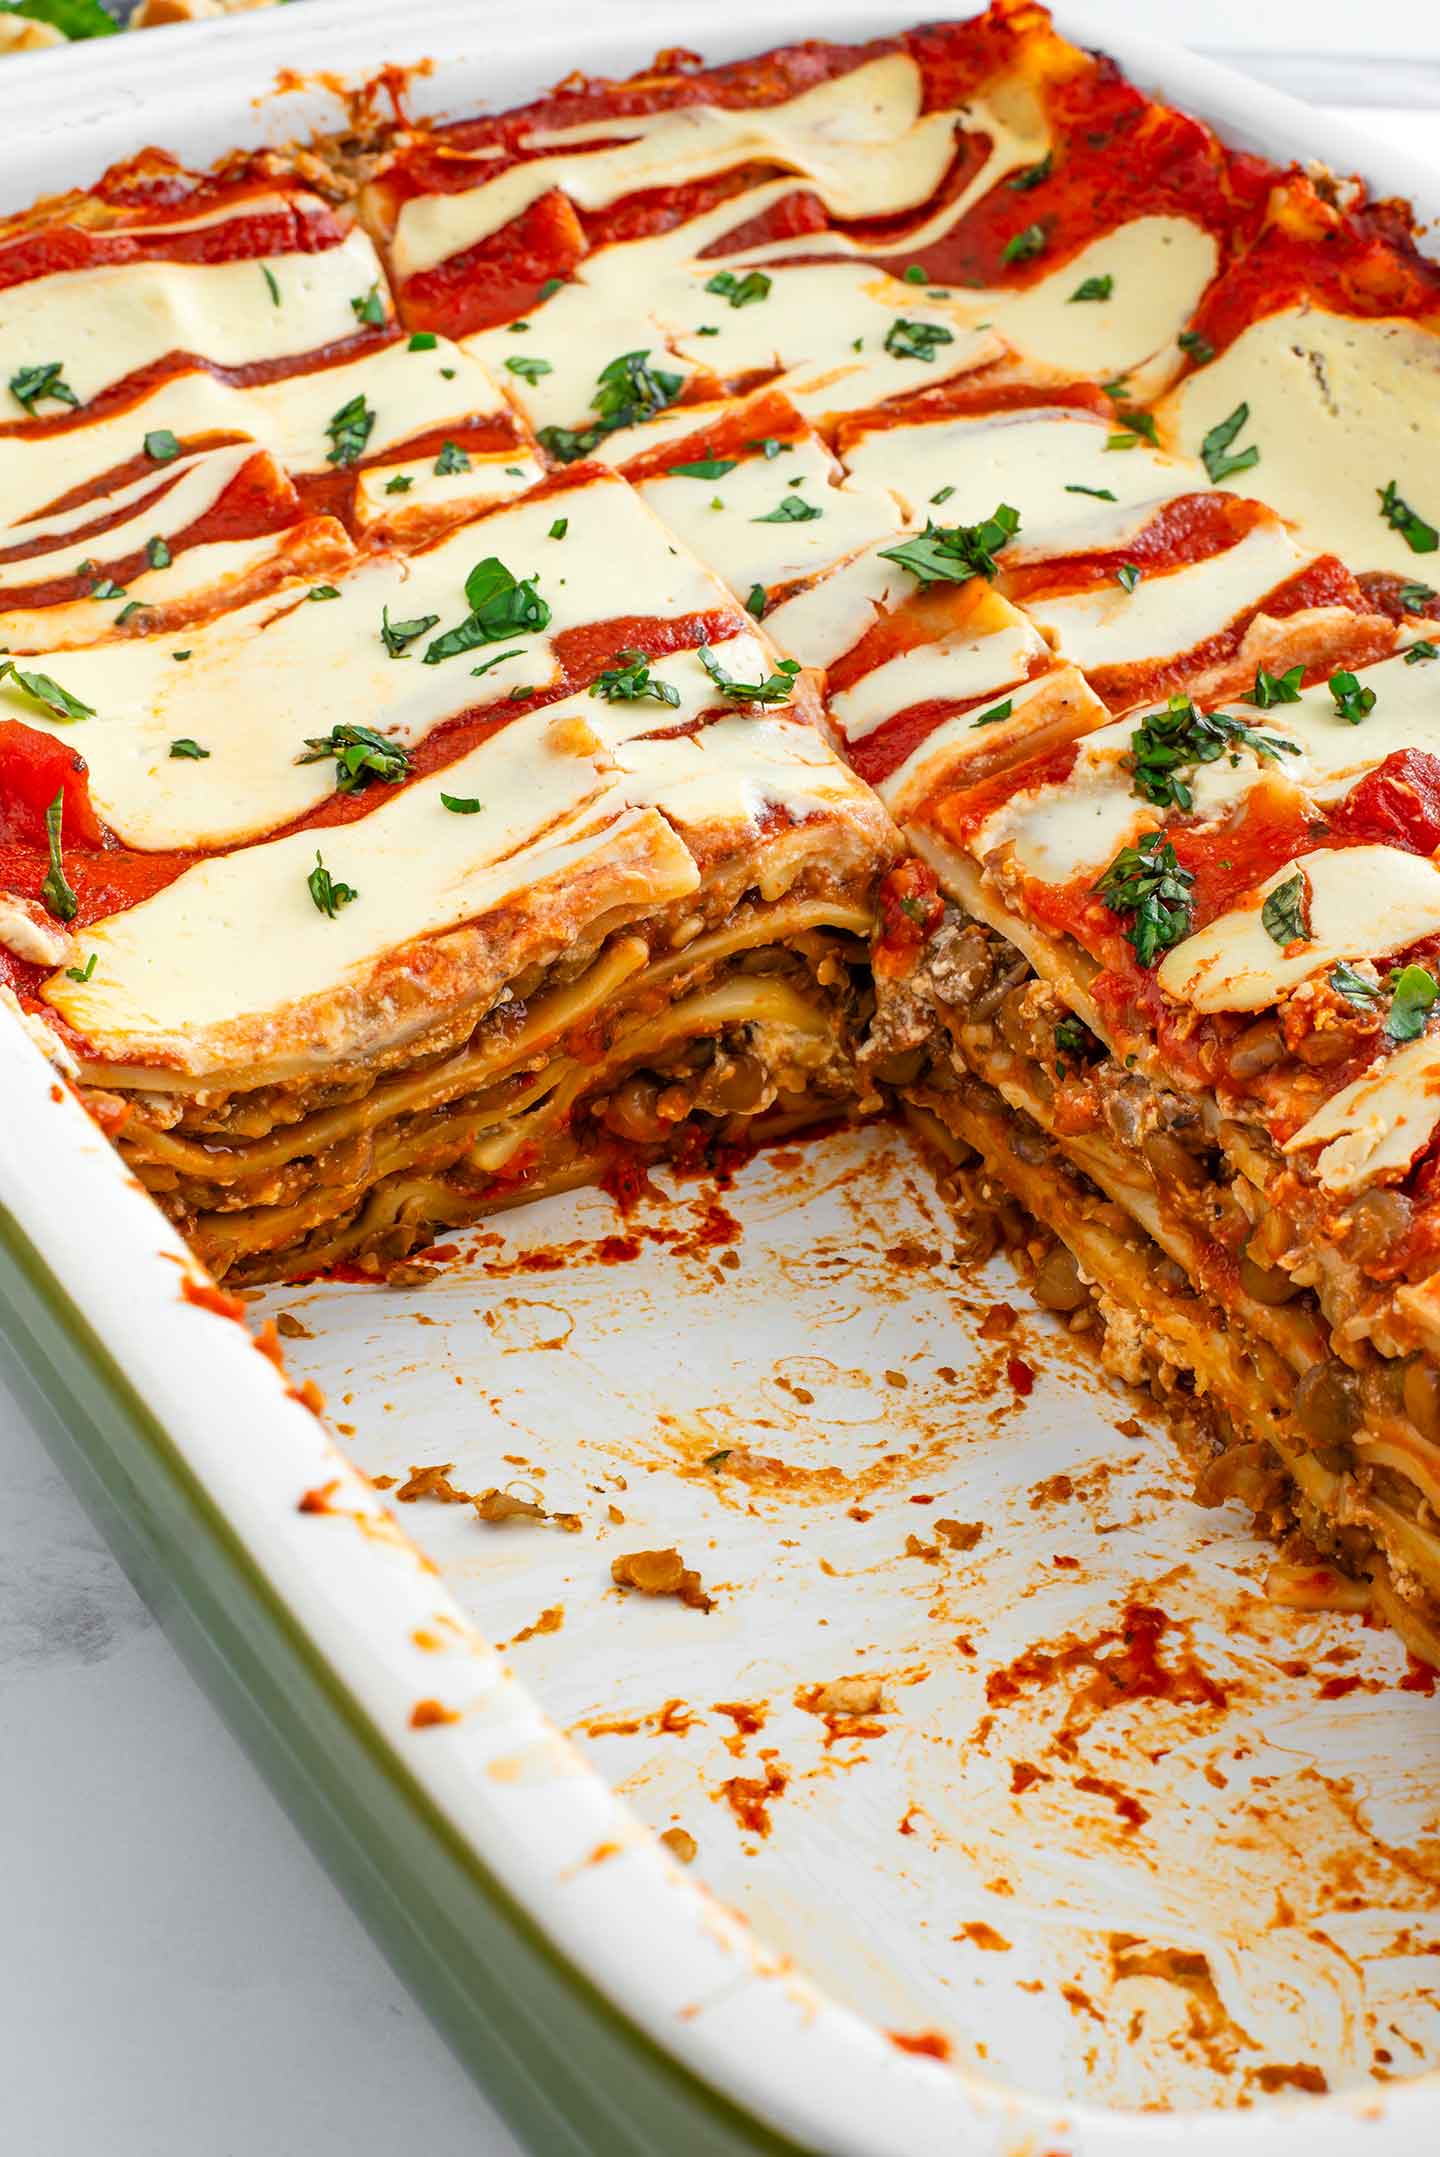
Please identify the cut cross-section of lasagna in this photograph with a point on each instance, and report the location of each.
(874, 576)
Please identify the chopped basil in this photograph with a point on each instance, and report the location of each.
(996, 713)
(1419, 537)
(1141, 423)
(1147, 882)
(1215, 449)
(703, 468)
(1128, 575)
(559, 528)
(769, 447)
(1166, 742)
(180, 655)
(1072, 1036)
(360, 755)
(740, 291)
(1094, 288)
(461, 804)
(917, 274)
(629, 681)
(157, 553)
(1122, 441)
(499, 659)
(1101, 494)
(1422, 648)
(269, 276)
(323, 591)
(131, 606)
(1033, 174)
(395, 636)
(627, 392)
(501, 606)
(1025, 245)
(423, 341)
(161, 445)
(185, 747)
(400, 484)
(527, 367)
(756, 603)
(451, 459)
(30, 385)
(941, 494)
(1354, 987)
(916, 340)
(349, 430)
(1276, 688)
(954, 553)
(371, 309)
(329, 896)
(1415, 598)
(1285, 915)
(777, 688)
(1352, 702)
(550, 286)
(1195, 347)
(793, 510)
(106, 588)
(44, 689)
(1414, 991)
(83, 973)
(60, 901)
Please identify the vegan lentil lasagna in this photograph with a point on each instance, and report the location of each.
(871, 575)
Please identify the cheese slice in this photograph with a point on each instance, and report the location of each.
(263, 679)
(106, 321)
(1057, 704)
(162, 510)
(1159, 267)
(38, 469)
(410, 393)
(1375, 1126)
(954, 667)
(1337, 407)
(1365, 902)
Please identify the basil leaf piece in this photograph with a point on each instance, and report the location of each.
(1352, 702)
(940, 496)
(757, 602)
(423, 341)
(703, 468)
(131, 607)
(74, 19)
(486, 664)
(1414, 991)
(1033, 175)
(559, 528)
(106, 588)
(794, 509)
(360, 755)
(1025, 245)
(953, 554)
(769, 447)
(1167, 742)
(501, 606)
(30, 385)
(328, 896)
(1415, 598)
(741, 291)
(370, 309)
(59, 900)
(527, 367)
(451, 459)
(629, 681)
(1276, 688)
(1419, 537)
(627, 392)
(161, 446)
(1285, 915)
(1354, 987)
(1196, 347)
(83, 973)
(917, 274)
(777, 688)
(400, 484)
(1215, 449)
(269, 276)
(550, 286)
(157, 553)
(1422, 648)
(1093, 288)
(349, 430)
(916, 340)
(995, 713)
(461, 804)
(323, 591)
(186, 747)
(1128, 575)
(395, 636)
(1101, 494)
(44, 689)
(1147, 882)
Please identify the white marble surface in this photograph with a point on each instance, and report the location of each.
(178, 1978)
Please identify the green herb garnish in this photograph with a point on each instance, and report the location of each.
(1093, 288)
(756, 603)
(1025, 245)
(397, 636)
(1285, 915)
(501, 606)
(1215, 449)
(996, 713)
(29, 386)
(1276, 688)
(916, 340)
(1352, 701)
(1414, 991)
(329, 896)
(44, 689)
(349, 430)
(777, 688)
(1032, 176)
(451, 459)
(704, 468)
(1352, 986)
(1419, 537)
(529, 369)
(1197, 348)
(1422, 648)
(60, 901)
(370, 310)
(794, 509)
(954, 553)
(1147, 882)
(461, 804)
(360, 755)
(629, 681)
(1167, 742)
(740, 291)
(1101, 494)
(1128, 575)
(185, 747)
(161, 446)
(157, 553)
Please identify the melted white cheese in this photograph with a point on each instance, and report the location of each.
(1337, 408)
(200, 481)
(1061, 702)
(958, 666)
(1160, 267)
(409, 393)
(1377, 1124)
(1365, 902)
(106, 321)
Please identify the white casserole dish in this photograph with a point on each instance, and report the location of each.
(608, 1997)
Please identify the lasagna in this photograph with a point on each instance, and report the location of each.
(873, 577)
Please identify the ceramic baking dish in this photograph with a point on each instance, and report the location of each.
(964, 1908)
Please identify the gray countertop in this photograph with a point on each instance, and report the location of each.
(179, 1978)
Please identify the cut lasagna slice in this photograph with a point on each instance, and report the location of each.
(1180, 1006)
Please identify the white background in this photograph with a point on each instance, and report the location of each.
(177, 1976)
